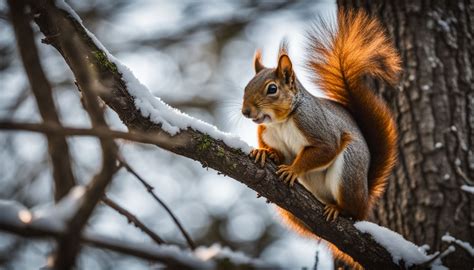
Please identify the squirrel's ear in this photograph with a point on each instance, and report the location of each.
(257, 61)
(285, 69)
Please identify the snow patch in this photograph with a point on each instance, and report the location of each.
(465, 245)
(14, 213)
(467, 188)
(55, 216)
(186, 257)
(171, 120)
(397, 246)
(216, 251)
(50, 216)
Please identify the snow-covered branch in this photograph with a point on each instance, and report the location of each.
(464, 245)
(403, 251)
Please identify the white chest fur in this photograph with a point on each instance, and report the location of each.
(286, 138)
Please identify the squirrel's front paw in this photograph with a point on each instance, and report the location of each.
(287, 174)
(261, 155)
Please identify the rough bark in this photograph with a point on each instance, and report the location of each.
(57, 26)
(434, 108)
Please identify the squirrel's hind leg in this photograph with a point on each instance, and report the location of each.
(352, 196)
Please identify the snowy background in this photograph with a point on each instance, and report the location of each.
(196, 56)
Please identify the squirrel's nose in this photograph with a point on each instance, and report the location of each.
(246, 112)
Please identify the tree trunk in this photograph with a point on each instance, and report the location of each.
(434, 109)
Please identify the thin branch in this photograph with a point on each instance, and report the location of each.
(57, 145)
(101, 132)
(133, 219)
(149, 189)
(464, 176)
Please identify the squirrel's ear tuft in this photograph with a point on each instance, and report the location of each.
(283, 47)
(285, 69)
(257, 61)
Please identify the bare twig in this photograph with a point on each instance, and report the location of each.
(133, 219)
(463, 175)
(149, 189)
(101, 132)
(57, 145)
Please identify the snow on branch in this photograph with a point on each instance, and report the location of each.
(465, 245)
(170, 119)
(56, 215)
(469, 189)
(402, 251)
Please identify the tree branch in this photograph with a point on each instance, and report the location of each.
(56, 23)
(149, 189)
(133, 219)
(101, 132)
(57, 145)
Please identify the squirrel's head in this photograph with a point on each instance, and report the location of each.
(269, 96)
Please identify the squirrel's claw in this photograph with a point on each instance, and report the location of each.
(331, 212)
(286, 173)
(261, 155)
(274, 157)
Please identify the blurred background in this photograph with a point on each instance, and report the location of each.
(196, 56)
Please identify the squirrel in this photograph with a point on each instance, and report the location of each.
(341, 148)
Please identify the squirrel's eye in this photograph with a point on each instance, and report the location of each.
(271, 89)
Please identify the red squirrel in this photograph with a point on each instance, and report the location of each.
(343, 147)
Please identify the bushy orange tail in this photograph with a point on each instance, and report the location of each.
(341, 56)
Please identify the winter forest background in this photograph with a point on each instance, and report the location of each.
(197, 57)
